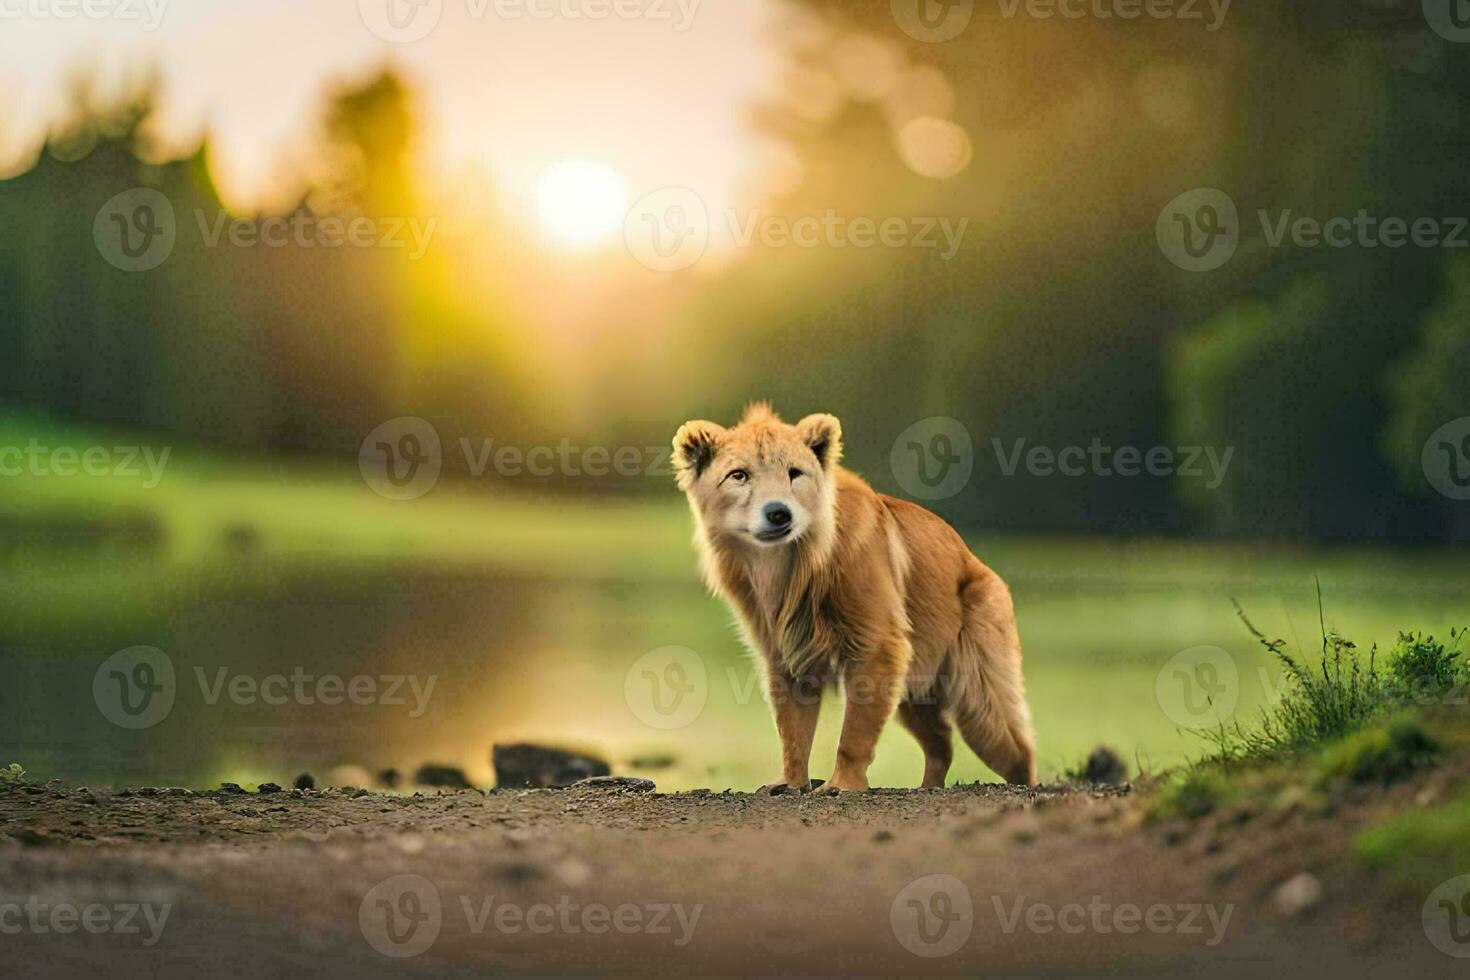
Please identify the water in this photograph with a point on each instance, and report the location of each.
(445, 665)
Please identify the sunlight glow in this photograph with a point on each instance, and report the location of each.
(580, 202)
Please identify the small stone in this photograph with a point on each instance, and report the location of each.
(1297, 894)
(227, 788)
(1104, 766)
(883, 837)
(268, 788)
(443, 777)
(632, 784)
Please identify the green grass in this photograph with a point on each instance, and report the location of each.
(579, 586)
(1418, 849)
(1384, 753)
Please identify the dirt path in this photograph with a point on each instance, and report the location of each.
(167, 883)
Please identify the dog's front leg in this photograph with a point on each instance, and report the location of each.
(796, 703)
(871, 687)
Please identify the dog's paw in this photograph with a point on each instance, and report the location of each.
(780, 788)
(832, 789)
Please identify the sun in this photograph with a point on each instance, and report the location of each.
(580, 202)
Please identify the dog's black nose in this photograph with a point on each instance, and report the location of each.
(777, 515)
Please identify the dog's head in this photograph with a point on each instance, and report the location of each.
(763, 483)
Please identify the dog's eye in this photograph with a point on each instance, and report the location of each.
(738, 476)
(794, 473)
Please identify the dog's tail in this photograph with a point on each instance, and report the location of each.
(989, 699)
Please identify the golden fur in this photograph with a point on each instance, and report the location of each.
(863, 589)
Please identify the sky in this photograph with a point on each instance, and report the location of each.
(659, 94)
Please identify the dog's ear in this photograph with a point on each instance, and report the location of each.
(823, 435)
(695, 445)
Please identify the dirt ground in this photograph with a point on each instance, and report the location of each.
(612, 880)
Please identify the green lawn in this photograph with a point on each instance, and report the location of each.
(588, 584)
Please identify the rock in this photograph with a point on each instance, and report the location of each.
(305, 781)
(390, 778)
(538, 766)
(883, 837)
(268, 788)
(1104, 766)
(632, 784)
(443, 777)
(1297, 894)
(227, 788)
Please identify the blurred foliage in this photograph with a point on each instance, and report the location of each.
(1058, 321)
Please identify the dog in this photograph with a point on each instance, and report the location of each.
(834, 583)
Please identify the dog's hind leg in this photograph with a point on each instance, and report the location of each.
(990, 704)
(926, 721)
